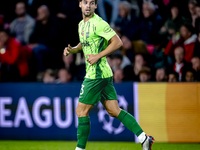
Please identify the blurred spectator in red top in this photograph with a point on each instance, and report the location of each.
(187, 38)
(12, 53)
(23, 26)
(180, 66)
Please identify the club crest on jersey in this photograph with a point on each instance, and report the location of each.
(87, 34)
(82, 33)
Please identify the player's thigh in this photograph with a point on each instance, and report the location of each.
(91, 91)
(112, 107)
(109, 92)
(82, 110)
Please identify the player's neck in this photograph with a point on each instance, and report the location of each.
(85, 19)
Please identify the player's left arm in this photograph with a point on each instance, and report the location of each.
(115, 43)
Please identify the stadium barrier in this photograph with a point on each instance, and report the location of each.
(169, 111)
(37, 111)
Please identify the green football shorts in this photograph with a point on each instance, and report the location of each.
(95, 90)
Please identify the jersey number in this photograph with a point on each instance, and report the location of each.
(82, 91)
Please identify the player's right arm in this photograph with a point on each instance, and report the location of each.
(68, 50)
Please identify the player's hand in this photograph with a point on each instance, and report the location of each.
(67, 50)
(92, 59)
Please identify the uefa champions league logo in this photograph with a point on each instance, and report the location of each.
(108, 125)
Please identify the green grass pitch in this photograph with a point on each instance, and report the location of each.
(62, 145)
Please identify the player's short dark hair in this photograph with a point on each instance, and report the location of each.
(95, 1)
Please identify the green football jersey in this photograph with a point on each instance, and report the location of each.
(94, 36)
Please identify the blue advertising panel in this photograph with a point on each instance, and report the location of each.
(37, 111)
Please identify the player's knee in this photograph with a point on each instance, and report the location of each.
(113, 113)
(81, 113)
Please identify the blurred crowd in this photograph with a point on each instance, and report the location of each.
(161, 40)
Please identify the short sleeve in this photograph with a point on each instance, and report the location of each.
(104, 30)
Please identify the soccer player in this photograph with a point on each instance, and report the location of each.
(94, 35)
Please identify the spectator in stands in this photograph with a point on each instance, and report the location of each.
(145, 74)
(69, 64)
(159, 59)
(118, 76)
(43, 41)
(189, 75)
(119, 61)
(64, 76)
(67, 19)
(102, 11)
(187, 39)
(173, 76)
(131, 73)
(127, 21)
(180, 66)
(151, 23)
(197, 47)
(191, 6)
(49, 76)
(23, 26)
(32, 6)
(161, 75)
(1, 22)
(13, 55)
(197, 21)
(196, 66)
(116, 61)
(172, 24)
(109, 60)
(70, 10)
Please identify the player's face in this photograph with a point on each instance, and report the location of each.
(88, 7)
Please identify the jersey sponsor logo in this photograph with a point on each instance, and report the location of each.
(85, 44)
(107, 29)
(82, 33)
